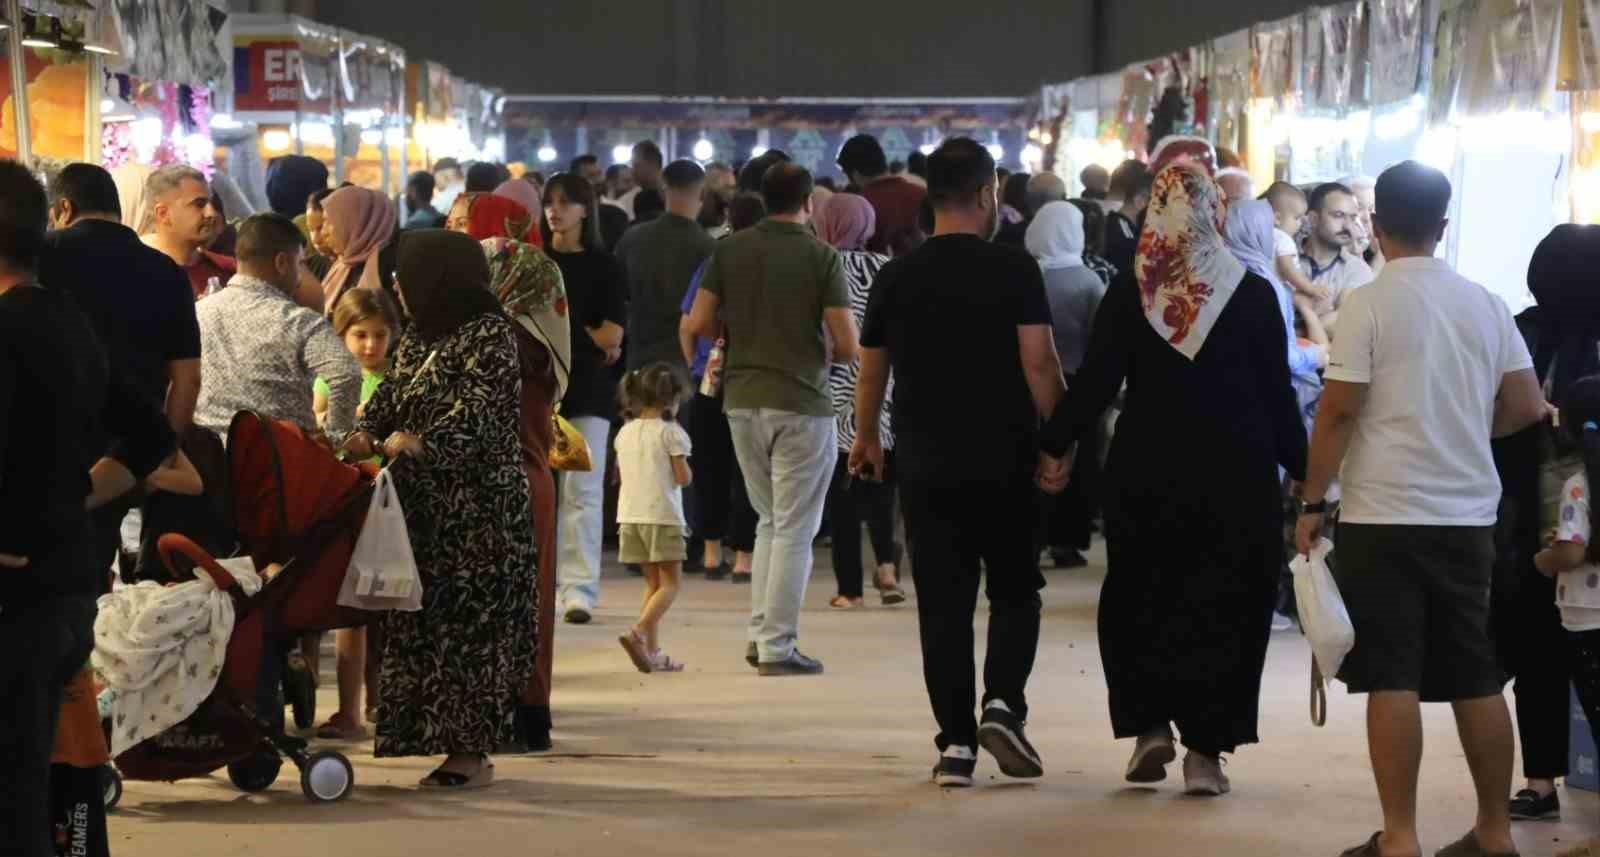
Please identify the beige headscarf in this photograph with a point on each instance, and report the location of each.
(130, 179)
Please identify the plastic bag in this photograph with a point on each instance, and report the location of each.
(1323, 617)
(383, 571)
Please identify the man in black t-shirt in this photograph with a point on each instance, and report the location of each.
(1131, 184)
(60, 409)
(965, 324)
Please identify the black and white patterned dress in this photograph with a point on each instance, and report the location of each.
(860, 269)
(452, 671)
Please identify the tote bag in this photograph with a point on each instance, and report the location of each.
(383, 571)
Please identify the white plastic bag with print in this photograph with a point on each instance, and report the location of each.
(383, 572)
(1324, 619)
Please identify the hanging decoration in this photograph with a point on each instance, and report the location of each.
(1276, 57)
(1335, 56)
(172, 40)
(1395, 49)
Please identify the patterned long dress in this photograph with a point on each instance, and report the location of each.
(452, 671)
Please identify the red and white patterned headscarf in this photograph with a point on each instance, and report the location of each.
(1185, 271)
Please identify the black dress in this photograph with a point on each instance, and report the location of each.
(1193, 510)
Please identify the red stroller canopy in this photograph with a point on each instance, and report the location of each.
(283, 483)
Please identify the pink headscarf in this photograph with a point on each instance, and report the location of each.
(846, 221)
(364, 221)
(522, 191)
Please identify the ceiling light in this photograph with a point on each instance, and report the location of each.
(757, 151)
(622, 154)
(997, 151)
(547, 153)
(703, 150)
(1032, 154)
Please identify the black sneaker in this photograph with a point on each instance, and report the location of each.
(1529, 805)
(1001, 734)
(795, 664)
(953, 772)
(1068, 558)
(718, 573)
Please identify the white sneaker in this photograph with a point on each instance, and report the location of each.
(1151, 755)
(1203, 776)
(1281, 622)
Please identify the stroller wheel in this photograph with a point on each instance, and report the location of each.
(255, 773)
(326, 776)
(300, 686)
(110, 786)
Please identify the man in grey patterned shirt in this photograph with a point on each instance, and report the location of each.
(260, 351)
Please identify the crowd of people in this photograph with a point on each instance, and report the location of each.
(760, 355)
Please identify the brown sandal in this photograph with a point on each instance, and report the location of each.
(842, 602)
(637, 651)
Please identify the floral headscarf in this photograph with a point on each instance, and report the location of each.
(490, 216)
(1182, 148)
(529, 286)
(1185, 271)
(522, 192)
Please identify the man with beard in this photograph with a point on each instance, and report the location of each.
(966, 452)
(185, 221)
(1327, 255)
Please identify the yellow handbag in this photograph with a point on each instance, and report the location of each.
(569, 449)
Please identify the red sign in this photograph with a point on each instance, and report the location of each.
(266, 75)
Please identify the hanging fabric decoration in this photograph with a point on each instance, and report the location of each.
(171, 40)
(1335, 61)
(1513, 53)
(1276, 49)
(1395, 48)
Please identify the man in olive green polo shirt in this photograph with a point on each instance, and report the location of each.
(782, 297)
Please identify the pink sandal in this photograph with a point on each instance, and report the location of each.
(637, 651)
(661, 662)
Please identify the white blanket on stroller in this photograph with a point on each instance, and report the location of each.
(159, 650)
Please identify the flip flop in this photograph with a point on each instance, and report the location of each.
(452, 780)
(634, 645)
(841, 602)
(340, 728)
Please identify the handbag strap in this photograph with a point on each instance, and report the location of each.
(1319, 695)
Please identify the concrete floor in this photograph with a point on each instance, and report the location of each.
(718, 761)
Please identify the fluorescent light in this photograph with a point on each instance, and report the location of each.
(622, 153)
(703, 150)
(94, 48)
(757, 151)
(36, 42)
(547, 153)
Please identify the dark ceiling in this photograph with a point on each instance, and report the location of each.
(764, 48)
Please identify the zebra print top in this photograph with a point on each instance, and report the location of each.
(860, 269)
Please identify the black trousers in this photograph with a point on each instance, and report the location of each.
(46, 642)
(963, 529)
(1535, 650)
(852, 502)
(725, 513)
(1585, 647)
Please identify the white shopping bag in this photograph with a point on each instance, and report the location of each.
(383, 572)
(1324, 619)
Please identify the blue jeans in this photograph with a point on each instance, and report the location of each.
(787, 460)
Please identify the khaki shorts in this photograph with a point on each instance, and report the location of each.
(650, 543)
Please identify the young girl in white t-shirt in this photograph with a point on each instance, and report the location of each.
(652, 453)
(1571, 557)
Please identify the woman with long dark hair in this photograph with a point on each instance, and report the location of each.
(597, 298)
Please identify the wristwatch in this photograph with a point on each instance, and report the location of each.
(1318, 508)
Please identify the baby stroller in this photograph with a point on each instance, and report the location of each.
(292, 503)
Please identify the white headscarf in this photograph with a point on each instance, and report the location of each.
(130, 179)
(1055, 237)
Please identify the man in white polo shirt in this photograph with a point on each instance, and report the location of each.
(1426, 368)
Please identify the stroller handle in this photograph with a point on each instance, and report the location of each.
(175, 543)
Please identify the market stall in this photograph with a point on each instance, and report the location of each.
(545, 131)
(51, 51)
(157, 97)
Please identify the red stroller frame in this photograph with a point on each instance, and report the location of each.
(293, 503)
